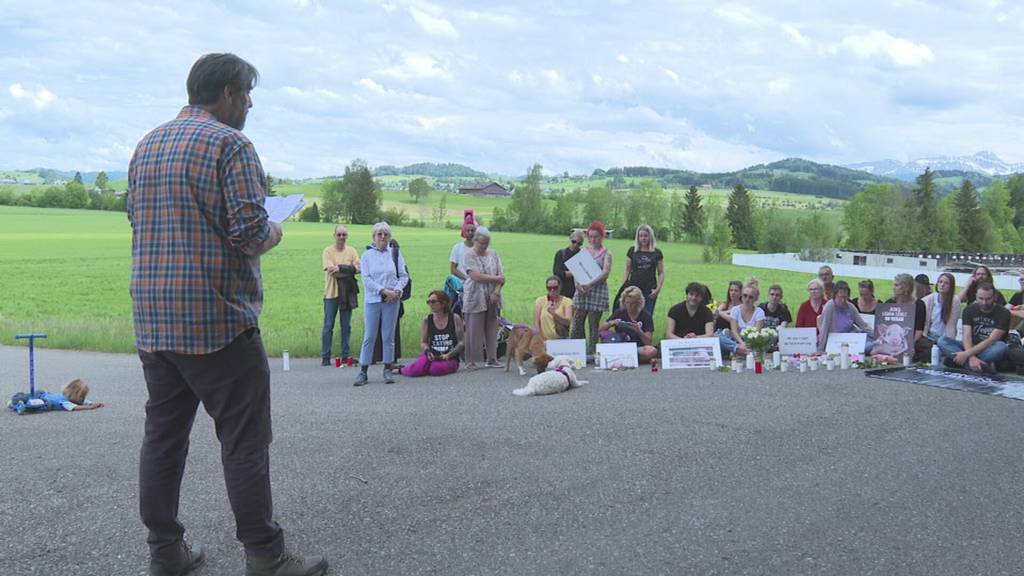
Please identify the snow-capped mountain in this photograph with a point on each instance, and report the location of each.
(983, 163)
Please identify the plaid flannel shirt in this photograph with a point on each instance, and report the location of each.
(195, 202)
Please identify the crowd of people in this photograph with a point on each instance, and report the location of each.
(463, 323)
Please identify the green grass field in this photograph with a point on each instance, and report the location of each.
(66, 273)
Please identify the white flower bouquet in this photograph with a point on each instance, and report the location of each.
(759, 339)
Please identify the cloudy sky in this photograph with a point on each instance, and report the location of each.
(702, 85)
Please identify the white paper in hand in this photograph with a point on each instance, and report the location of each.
(583, 267)
(281, 208)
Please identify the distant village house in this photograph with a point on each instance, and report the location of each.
(485, 189)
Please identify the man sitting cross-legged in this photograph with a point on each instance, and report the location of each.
(985, 327)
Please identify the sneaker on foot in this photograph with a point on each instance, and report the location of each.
(388, 377)
(287, 564)
(361, 379)
(325, 361)
(183, 561)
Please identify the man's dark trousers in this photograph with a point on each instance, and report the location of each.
(234, 386)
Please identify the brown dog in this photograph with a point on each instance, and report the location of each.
(524, 341)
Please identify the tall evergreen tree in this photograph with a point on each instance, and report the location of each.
(926, 207)
(675, 217)
(1016, 186)
(528, 203)
(78, 178)
(102, 181)
(969, 218)
(360, 194)
(694, 219)
(740, 214)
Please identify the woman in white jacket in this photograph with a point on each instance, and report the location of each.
(942, 309)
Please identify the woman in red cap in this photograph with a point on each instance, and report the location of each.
(592, 297)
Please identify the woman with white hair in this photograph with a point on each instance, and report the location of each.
(810, 310)
(481, 299)
(383, 282)
(903, 294)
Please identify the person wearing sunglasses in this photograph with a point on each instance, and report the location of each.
(441, 340)
(341, 293)
(746, 314)
(552, 313)
(560, 270)
(383, 282)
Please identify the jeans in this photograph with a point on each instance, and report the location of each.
(382, 316)
(991, 355)
(331, 310)
(233, 385)
(729, 345)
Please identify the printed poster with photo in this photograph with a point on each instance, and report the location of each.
(690, 353)
(894, 329)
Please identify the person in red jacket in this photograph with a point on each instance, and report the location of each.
(810, 310)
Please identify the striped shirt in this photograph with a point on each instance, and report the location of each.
(195, 202)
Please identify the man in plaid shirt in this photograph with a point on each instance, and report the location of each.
(195, 202)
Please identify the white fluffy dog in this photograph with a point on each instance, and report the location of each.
(559, 377)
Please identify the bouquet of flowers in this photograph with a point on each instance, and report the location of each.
(759, 339)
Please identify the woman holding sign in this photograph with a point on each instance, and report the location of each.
(592, 297)
(839, 315)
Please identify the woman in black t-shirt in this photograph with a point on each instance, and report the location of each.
(645, 267)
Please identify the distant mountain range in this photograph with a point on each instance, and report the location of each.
(984, 162)
(794, 175)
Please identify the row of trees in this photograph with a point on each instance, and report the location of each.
(882, 217)
(73, 195)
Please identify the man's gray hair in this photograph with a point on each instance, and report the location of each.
(212, 72)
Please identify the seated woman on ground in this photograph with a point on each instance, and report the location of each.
(691, 318)
(745, 315)
(941, 310)
(810, 310)
(552, 314)
(841, 316)
(865, 302)
(632, 323)
(721, 311)
(441, 340)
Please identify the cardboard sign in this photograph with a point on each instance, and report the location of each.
(574, 350)
(798, 341)
(621, 355)
(894, 329)
(583, 267)
(690, 353)
(869, 319)
(857, 340)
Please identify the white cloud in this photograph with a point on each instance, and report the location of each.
(876, 43)
(740, 15)
(795, 35)
(779, 86)
(622, 58)
(414, 65)
(487, 18)
(40, 98)
(435, 25)
(671, 74)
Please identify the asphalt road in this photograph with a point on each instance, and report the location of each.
(680, 472)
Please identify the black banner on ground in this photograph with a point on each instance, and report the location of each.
(992, 384)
